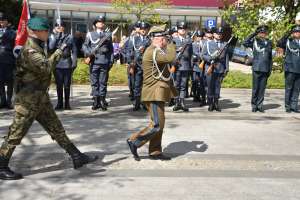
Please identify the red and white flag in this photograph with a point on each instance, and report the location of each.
(22, 34)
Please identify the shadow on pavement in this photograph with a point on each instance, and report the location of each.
(183, 147)
(271, 106)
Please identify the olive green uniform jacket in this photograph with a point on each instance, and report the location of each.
(154, 89)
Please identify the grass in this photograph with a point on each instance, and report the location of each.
(234, 79)
(237, 79)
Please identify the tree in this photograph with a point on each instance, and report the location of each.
(142, 9)
(12, 9)
(279, 15)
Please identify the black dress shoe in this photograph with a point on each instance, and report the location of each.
(210, 108)
(7, 174)
(59, 107)
(254, 109)
(133, 150)
(159, 157)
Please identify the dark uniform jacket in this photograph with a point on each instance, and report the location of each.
(7, 43)
(69, 57)
(197, 49)
(137, 46)
(209, 50)
(262, 53)
(155, 89)
(104, 55)
(184, 63)
(292, 54)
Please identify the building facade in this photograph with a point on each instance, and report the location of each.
(79, 14)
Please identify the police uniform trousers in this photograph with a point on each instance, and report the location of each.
(153, 132)
(259, 84)
(292, 89)
(130, 78)
(199, 84)
(63, 80)
(36, 106)
(138, 81)
(181, 78)
(6, 79)
(214, 81)
(98, 79)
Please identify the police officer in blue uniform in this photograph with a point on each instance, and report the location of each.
(100, 66)
(262, 65)
(198, 85)
(7, 62)
(66, 65)
(183, 65)
(216, 68)
(291, 44)
(137, 46)
(128, 57)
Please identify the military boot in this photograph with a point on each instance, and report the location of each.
(210, 104)
(183, 106)
(137, 104)
(79, 159)
(177, 105)
(216, 105)
(172, 102)
(102, 103)
(202, 102)
(60, 103)
(67, 99)
(5, 172)
(95, 105)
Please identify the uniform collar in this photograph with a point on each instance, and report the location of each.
(37, 43)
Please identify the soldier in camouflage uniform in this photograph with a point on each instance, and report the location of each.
(32, 101)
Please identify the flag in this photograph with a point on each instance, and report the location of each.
(22, 34)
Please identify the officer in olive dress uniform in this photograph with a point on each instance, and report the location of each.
(262, 65)
(215, 68)
(7, 62)
(183, 65)
(198, 85)
(65, 67)
(291, 44)
(104, 58)
(157, 89)
(33, 78)
(138, 44)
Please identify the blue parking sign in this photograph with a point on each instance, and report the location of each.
(211, 23)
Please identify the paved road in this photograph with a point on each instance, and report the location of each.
(231, 155)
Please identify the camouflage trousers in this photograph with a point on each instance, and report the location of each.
(25, 114)
(153, 132)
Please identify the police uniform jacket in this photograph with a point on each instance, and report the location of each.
(262, 53)
(209, 50)
(7, 43)
(69, 57)
(184, 62)
(197, 48)
(104, 55)
(136, 44)
(155, 89)
(292, 54)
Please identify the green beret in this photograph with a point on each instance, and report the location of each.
(38, 24)
(157, 31)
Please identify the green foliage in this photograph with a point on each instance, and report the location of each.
(234, 79)
(237, 79)
(117, 75)
(142, 9)
(12, 9)
(246, 19)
